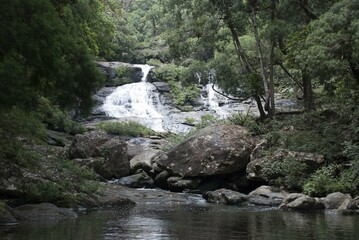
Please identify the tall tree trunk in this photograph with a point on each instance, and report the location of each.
(253, 4)
(307, 91)
(271, 81)
(243, 58)
(355, 70)
(262, 113)
(271, 65)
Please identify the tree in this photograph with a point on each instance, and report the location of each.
(332, 44)
(41, 56)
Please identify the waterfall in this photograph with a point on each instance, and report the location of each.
(136, 101)
(214, 101)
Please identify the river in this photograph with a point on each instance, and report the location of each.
(191, 221)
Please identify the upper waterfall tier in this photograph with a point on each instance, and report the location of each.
(136, 100)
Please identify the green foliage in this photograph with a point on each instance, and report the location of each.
(129, 128)
(46, 59)
(308, 132)
(207, 120)
(57, 119)
(17, 128)
(184, 95)
(288, 173)
(154, 62)
(123, 75)
(332, 178)
(79, 171)
(190, 120)
(167, 73)
(43, 192)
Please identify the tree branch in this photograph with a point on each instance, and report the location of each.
(229, 97)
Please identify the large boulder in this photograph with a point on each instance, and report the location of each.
(87, 145)
(162, 86)
(338, 200)
(214, 150)
(255, 166)
(6, 217)
(299, 201)
(178, 184)
(119, 73)
(225, 196)
(42, 212)
(106, 155)
(137, 180)
(267, 195)
(143, 161)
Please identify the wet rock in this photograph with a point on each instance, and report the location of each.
(214, 150)
(112, 195)
(87, 145)
(106, 155)
(161, 180)
(117, 195)
(258, 150)
(225, 196)
(129, 73)
(267, 195)
(299, 201)
(178, 184)
(138, 180)
(338, 200)
(115, 153)
(42, 212)
(255, 166)
(6, 217)
(162, 86)
(143, 161)
(135, 149)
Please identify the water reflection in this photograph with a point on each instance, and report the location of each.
(162, 222)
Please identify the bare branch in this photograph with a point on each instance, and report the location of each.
(229, 97)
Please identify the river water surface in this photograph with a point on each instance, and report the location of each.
(199, 221)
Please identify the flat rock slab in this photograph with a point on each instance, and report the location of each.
(111, 192)
(42, 212)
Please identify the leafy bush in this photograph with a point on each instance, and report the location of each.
(332, 178)
(57, 119)
(190, 120)
(184, 94)
(288, 173)
(43, 192)
(129, 128)
(167, 73)
(207, 120)
(17, 128)
(154, 62)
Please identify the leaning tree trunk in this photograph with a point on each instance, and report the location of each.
(243, 58)
(260, 55)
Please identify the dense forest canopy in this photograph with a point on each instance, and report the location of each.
(305, 49)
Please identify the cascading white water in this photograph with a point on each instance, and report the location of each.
(214, 101)
(136, 101)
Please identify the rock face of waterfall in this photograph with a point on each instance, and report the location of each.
(146, 103)
(136, 101)
(151, 103)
